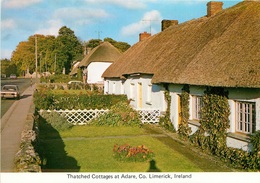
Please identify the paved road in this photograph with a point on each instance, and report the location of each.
(12, 124)
(22, 83)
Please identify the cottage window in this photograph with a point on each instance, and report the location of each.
(196, 107)
(245, 117)
(149, 94)
(106, 87)
(132, 90)
(114, 88)
(122, 88)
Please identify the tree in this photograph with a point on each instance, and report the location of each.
(122, 46)
(93, 43)
(8, 67)
(68, 49)
(24, 55)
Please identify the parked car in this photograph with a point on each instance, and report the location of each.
(75, 82)
(13, 76)
(10, 91)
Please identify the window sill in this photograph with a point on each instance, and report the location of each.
(194, 122)
(149, 103)
(239, 136)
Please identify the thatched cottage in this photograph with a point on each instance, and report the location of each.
(221, 50)
(97, 61)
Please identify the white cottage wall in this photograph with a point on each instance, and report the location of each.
(152, 95)
(114, 86)
(235, 94)
(95, 71)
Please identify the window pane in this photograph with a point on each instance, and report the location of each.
(245, 117)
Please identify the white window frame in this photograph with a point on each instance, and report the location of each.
(132, 91)
(149, 94)
(196, 107)
(106, 87)
(245, 117)
(122, 88)
(114, 88)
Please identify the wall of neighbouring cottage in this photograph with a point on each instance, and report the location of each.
(175, 92)
(143, 94)
(95, 71)
(114, 86)
(234, 139)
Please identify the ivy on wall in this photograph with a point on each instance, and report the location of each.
(184, 130)
(165, 120)
(214, 123)
(212, 133)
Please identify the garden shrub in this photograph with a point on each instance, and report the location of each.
(46, 99)
(43, 98)
(121, 114)
(78, 86)
(133, 154)
(56, 120)
(56, 78)
(255, 141)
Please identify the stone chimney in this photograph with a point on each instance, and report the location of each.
(143, 36)
(168, 23)
(213, 8)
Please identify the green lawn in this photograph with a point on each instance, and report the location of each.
(89, 149)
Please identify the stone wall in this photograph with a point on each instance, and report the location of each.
(27, 159)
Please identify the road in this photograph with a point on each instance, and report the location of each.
(22, 84)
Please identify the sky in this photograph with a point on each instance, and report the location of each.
(121, 20)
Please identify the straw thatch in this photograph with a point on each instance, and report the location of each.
(105, 52)
(222, 50)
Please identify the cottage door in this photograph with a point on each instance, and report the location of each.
(140, 95)
(179, 110)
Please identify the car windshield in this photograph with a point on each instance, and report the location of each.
(9, 88)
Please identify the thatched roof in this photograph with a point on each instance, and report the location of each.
(105, 52)
(222, 50)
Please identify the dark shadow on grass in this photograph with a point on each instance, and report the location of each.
(205, 162)
(153, 167)
(51, 149)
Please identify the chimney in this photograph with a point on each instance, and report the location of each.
(143, 36)
(168, 23)
(213, 8)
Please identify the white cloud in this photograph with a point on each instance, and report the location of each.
(150, 18)
(19, 3)
(8, 24)
(52, 28)
(5, 53)
(130, 4)
(80, 16)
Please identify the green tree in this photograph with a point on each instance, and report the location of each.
(93, 43)
(68, 49)
(8, 67)
(122, 46)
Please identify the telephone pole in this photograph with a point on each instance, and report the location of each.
(36, 61)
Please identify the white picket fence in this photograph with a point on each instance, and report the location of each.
(149, 116)
(82, 117)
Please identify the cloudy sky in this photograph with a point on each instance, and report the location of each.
(121, 20)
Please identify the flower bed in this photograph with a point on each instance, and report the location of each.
(133, 154)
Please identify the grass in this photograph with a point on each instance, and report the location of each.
(89, 149)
